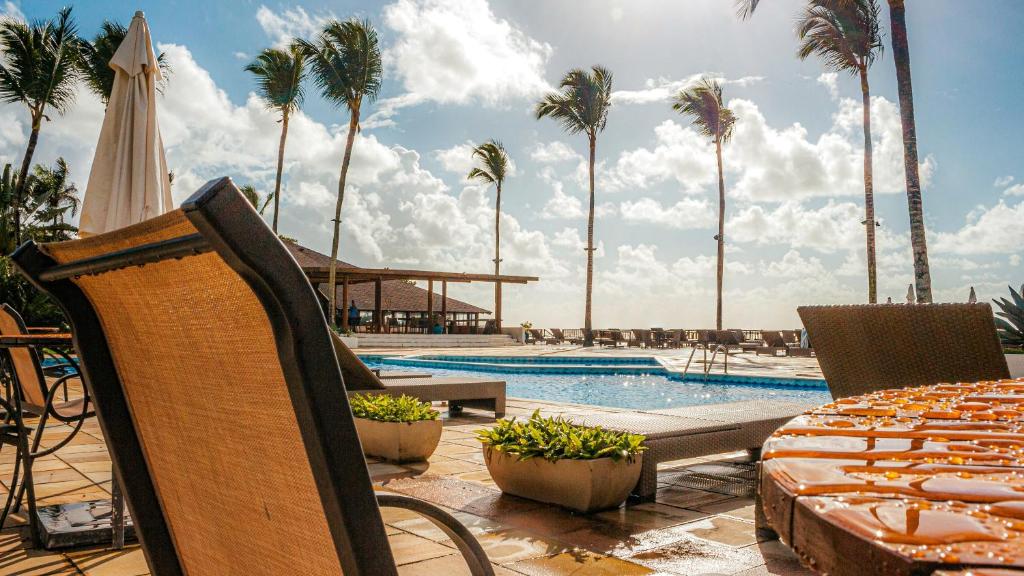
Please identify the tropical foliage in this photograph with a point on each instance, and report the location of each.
(96, 57)
(385, 408)
(557, 439)
(39, 68)
(492, 167)
(346, 65)
(581, 107)
(1010, 318)
(845, 35)
(702, 103)
(279, 75)
(258, 202)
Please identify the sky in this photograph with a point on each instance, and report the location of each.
(458, 72)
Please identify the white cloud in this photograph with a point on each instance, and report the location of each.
(793, 265)
(1015, 190)
(290, 23)
(688, 213)
(458, 159)
(12, 10)
(1003, 181)
(241, 55)
(562, 206)
(664, 89)
(994, 230)
(830, 80)
(553, 152)
(679, 154)
(457, 52)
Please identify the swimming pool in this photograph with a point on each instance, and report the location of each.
(619, 382)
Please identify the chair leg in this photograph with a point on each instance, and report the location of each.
(13, 488)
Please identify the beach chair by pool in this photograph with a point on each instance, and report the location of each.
(216, 386)
(459, 392)
(677, 433)
(875, 346)
(642, 338)
(558, 335)
(773, 343)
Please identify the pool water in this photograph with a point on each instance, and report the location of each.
(649, 390)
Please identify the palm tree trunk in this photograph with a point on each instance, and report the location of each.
(721, 236)
(353, 125)
(497, 259)
(901, 56)
(26, 163)
(280, 165)
(869, 191)
(588, 333)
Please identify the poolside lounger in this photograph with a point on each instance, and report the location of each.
(215, 383)
(773, 343)
(558, 335)
(484, 394)
(691, 431)
(872, 347)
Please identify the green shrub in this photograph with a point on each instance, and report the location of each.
(557, 439)
(386, 408)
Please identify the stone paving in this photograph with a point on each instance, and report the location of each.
(701, 522)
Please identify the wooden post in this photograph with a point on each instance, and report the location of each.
(444, 306)
(430, 306)
(378, 314)
(344, 302)
(497, 307)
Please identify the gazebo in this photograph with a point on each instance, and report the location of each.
(391, 299)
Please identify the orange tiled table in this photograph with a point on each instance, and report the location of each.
(902, 482)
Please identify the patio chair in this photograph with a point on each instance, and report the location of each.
(773, 344)
(872, 347)
(558, 335)
(459, 392)
(39, 399)
(642, 338)
(219, 395)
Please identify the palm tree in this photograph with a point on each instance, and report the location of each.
(904, 87)
(54, 197)
(493, 168)
(38, 68)
(845, 34)
(581, 107)
(279, 75)
(258, 202)
(347, 67)
(702, 102)
(96, 57)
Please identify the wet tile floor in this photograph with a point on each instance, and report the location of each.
(701, 523)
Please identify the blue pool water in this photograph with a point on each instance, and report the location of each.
(637, 383)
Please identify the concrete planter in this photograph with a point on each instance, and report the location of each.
(1015, 362)
(399, 441)
(350, 341)
(582, 485)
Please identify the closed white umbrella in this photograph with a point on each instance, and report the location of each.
(129, 181)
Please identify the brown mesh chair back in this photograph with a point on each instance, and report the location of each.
(872, 347)
(24, 362)
(773, 338)
(218, 391)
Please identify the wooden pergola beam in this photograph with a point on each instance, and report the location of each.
(320, 275)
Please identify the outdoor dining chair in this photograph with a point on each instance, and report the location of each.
(218, 392)
(872, 347)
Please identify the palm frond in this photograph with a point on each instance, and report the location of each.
(40, 62)
(845, 34)
(582, 103)
(346, 62)
(493, 163)
(745, 8)
(702, 103)
(279, 75)
(96, 56)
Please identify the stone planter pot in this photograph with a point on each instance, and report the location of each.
(582, 485)
(350, 341)
(1016, 364)
(399, 441)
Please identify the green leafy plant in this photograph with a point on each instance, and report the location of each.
(1010, 318)
(385, 408)
(557, 439)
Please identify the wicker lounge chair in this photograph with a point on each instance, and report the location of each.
(479, 393)
(217, 389)
(692, 431)
(558, 335)
(872, 347)
(39, 399)
(642, 338)
(773, 343)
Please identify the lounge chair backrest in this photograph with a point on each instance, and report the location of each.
(25, 361)
(357, 375)
(790, 336)
(726, 338)
(773, 338)
(557, 333)
(219, 393)
(873, 347)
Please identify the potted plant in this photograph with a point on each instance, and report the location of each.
(1010, 325)
(396, 428)
(554, 461)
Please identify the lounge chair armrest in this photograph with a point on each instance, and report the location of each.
(474, 554)
(75, 422)
(42, 330)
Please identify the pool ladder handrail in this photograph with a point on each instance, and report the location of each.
(708, 365)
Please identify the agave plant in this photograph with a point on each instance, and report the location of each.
(1010, 318)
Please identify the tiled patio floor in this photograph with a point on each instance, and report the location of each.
(688, 531)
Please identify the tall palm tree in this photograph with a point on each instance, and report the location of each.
(904, 87)
(38, 68)
(702, 103)
(581, 107)
(492, 169)
(55, 197)
(96, 57)
(279, 75)
(845, 34)
(347, 66)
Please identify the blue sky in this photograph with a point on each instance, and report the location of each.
(462, 71)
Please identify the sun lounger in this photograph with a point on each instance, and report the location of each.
(691, 431)
(558, 335)
(876, 346)
(220, 398)
(773, 343)
(397, 374)
(484, 394)
(642, 337)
